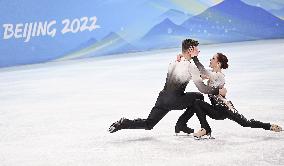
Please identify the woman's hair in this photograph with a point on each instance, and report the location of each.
(187, 43)
(223, 60)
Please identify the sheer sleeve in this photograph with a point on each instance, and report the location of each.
(195, 73)
(201, 68)
(205, 88)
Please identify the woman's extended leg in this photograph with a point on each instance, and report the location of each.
(241, 120)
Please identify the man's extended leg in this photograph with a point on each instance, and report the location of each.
(156, 114)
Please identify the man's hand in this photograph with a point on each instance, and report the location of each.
(179, 57)
(223, 91)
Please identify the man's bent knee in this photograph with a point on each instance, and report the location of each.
(150, 124)
(198, 102)
(200, 96)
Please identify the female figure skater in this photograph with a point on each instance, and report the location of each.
(220, 107)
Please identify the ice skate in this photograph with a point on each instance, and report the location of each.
(275, 128)
(202, 134)
(117, 125)
(184, 129)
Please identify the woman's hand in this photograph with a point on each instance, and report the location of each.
(204, 77)
(223, 91)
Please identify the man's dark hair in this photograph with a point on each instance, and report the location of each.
(187, 43)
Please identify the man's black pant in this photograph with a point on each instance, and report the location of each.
(220, 112)
(166, 102)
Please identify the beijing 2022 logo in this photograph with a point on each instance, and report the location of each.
(47, 28)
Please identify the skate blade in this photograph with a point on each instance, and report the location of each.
(182, 135)
(111, 129)
(204, 138)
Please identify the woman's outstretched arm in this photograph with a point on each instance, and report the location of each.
(200, 67)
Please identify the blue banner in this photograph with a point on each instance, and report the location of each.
(40, 31)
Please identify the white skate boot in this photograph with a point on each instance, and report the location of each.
(202, 134)
(275, 128)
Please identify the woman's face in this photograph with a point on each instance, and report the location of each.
(214, 61)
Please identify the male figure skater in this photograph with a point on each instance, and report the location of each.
(173, 97)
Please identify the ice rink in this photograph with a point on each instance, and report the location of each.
(58, 113)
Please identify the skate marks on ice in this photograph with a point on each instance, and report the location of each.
(265, 147)
(162, 139)
(183, 135)
(253, 137)
(256, 148)
(204, 138)
(275, 157)
(229, 139)
(131, 137)
(193, 137)
(132, 140)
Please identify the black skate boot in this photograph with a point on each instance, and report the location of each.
(124, 123)
(121, 124)
(181, 123)
(183, 128)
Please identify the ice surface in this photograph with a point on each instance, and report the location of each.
(58, 113)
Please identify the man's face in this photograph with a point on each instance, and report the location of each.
(190, 50)
(186, 54)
